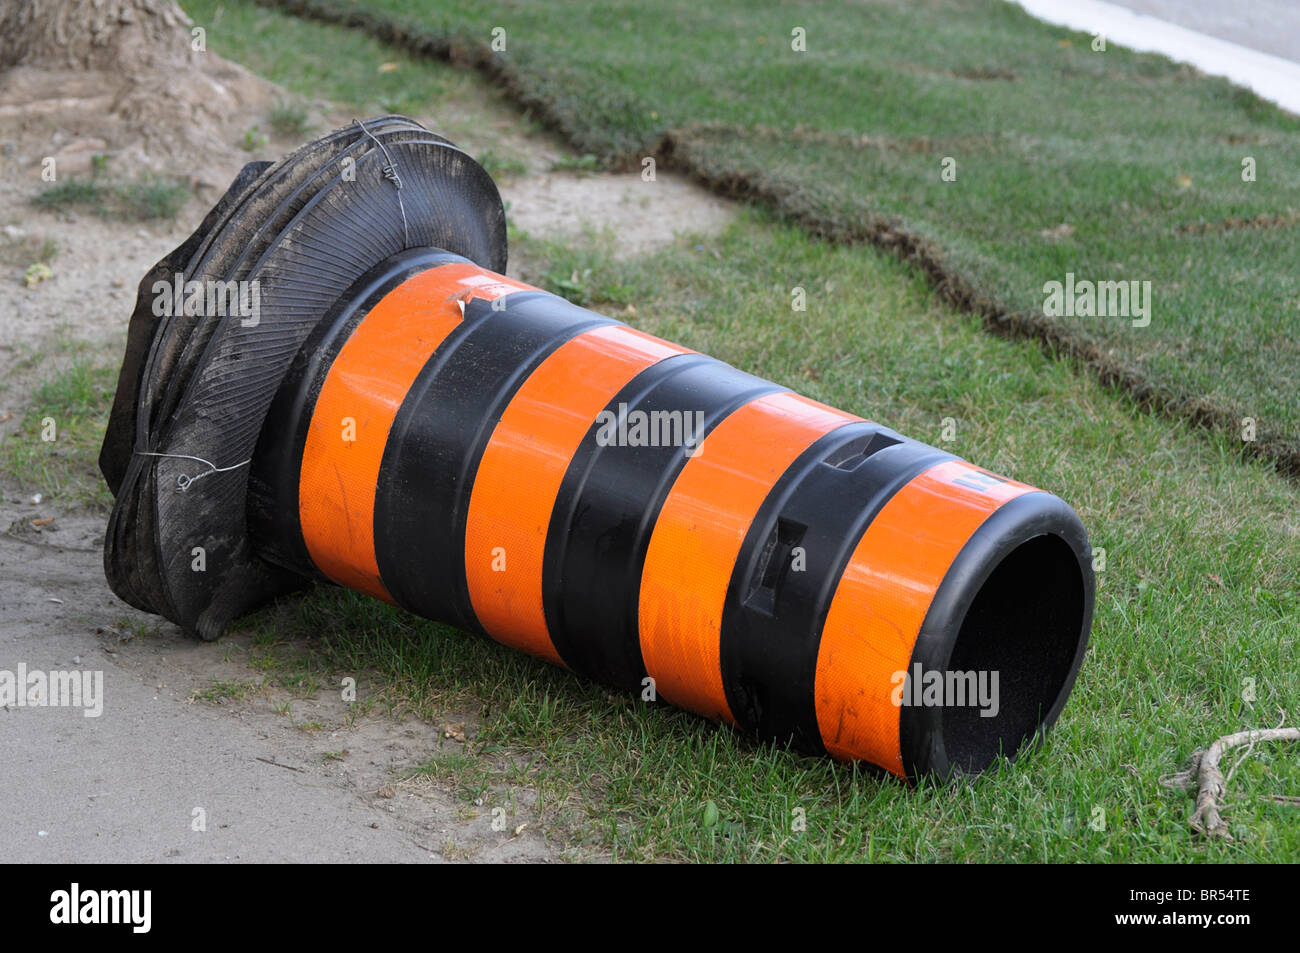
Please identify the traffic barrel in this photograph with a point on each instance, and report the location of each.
(404, 420)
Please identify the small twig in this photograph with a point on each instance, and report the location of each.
(1244, 755)
(57, 547)
(1207, 780)
(287, 767)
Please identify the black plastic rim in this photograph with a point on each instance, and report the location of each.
(1035, 642)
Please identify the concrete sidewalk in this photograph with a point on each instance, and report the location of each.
(128, 786)
(1270, 26)
(1257, 46)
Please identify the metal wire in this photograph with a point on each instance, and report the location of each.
(183, 480)
(390, 173)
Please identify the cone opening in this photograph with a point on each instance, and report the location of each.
(1019, 638)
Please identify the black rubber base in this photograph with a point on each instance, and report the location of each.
(194, 389)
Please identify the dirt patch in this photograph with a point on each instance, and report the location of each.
(60, 124)
(549, 195)
(634, 215)
(128, 79)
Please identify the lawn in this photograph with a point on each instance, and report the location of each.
(1199, 600)
(1195, 632)
(58, 441)
(1064, 160)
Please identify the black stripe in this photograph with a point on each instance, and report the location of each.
(606, 510)
(273, 512)
(773, 615)
(438, 438)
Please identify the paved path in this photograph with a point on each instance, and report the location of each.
(1255, 44)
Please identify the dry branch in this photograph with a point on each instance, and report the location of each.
(1205, 778)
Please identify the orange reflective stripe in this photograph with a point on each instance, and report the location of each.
(521, 470)
(698, 535)
(881, 602)
(359, 398)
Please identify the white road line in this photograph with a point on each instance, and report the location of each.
(1270, 76)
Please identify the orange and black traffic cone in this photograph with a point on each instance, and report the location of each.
(403, 420)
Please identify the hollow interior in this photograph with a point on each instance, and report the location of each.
(1019, 638)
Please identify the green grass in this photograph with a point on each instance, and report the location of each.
(72, 408)
(1134, 152)
(501, 167)
(255, 140)
(357, 75)
(47, 251)
(346, 70)
(143, 199)
(289, 119)
(31, 256)
(222, 691)
(73, 192)
(583, 163)
(1201, 591)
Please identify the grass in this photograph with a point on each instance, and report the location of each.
(223, 691)
(289, 119)
(32, 255)
(583, 163)
(351, 71)
(47, 251)
(1200, 593)
(501, 167)
(255, 140)
(1140, 157)
(143, 199)
(55, 451)
(356, 74)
